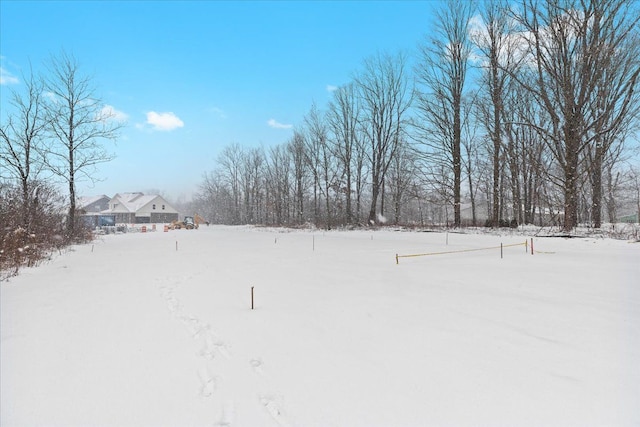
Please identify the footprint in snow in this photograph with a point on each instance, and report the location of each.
(274, 410)
(207, 382)
(256, 364)
(221, 348)
(208, 350)
(194, 326)
(228, 414)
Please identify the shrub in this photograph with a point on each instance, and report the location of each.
(32, 228)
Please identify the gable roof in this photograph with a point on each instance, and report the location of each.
(85, 201)
(134, 202)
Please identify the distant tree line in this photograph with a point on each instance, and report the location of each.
(53, 134)
(526, 110)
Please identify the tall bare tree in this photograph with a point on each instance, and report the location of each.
(231, 162)
(320, 160)
(401, 179)
(470, 154)
(614, 112)
(252, 178)
(386, 96)
(344, 117)
(278, 183)
(21, 143)
(443, 72)
(574, 47)
(498, 52)
(78, 123)
(296, 150)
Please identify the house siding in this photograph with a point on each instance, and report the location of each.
(158, 217)
(125, 217)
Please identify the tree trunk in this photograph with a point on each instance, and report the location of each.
(596, 186)
(375, 192)
(349, 218)
(457, 164)
(71, 225)
(571, 172)
(472, 194)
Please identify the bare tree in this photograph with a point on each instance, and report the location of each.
(278, 183)
(313, 161)
(21, 144)
(386, 97)
(499, 52)
(214, 199)
(614, 112)
(634, 186)
(574, 45)
(78, 122)
(231, 162)
(252, 171)
(401, 179)
(320, 161)
(296, 150)
(443, 72)
(344, 117)
(470, 156)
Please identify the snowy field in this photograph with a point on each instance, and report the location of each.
(156, 329)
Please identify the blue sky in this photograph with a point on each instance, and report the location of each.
(194, 77)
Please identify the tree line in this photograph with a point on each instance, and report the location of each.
(527, 111)
(519, 112)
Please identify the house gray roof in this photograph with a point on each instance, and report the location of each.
(85, 201)
(129, 202)
(136, 202)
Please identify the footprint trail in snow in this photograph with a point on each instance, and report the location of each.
(209, 346)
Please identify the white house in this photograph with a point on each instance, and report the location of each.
(138, 208)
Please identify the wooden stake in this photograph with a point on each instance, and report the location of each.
(500, 250)
(252, 298)
(532, 246)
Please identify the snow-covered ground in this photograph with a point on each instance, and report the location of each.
(156, 329)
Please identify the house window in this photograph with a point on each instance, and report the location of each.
(154, 207)
(162, 207)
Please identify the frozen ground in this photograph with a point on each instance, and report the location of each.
(156, 329)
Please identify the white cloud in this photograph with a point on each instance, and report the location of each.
(108, 112)
(276, 125)
(6, 78)
(219, 112)
(331, 88)
(50, 96)
(164, 121)
(513, 47)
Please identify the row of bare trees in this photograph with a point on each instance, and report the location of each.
(525, 111)
(554, 98)
(337, 166)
